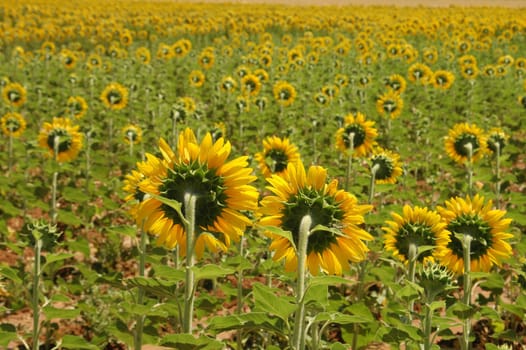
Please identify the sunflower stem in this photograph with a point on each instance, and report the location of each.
(35, 296)
(239, 307)
(189, 205)
(497, 185)
(140, 293)
(349, 161)
(374, 169)
(428, 339)
(10, 152)
(88, 158)
(56, 143)
(130, 139)
(299, 317)
(469, 167)
(466, 297)
(413, 255)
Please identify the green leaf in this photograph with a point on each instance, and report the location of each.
(10, 273)
(279, 232)
(189, 342)
(6, 338)
(69, 218)
(340, 318)
(52, 312)
(514, 309)
(361, 310)
(267, 300)
(461, 310)
(72, 194)
(129, 231)
(51, 258)
(250, 321)
(175, 205)
(8, 208)
(437, 305)
(410, 291)
(494, 283)
(153, 285)
(76, 342)
(211, 271)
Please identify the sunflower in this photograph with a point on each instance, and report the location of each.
(181, 48)
(390, 104)
(396, 83)
(68, 58)
(68, 137)
(486, 226)
(496, 136)
(262, 75)
(276, 155)
(143, 55)
(341, 80)
(430, 55)
(132, 134)
(387, 165)
(222, 189)
(14, 94)
(206, 58)
(442, 79)
(76, 106)
(250, 85)
(321, 99)
(489, 70)
(228, 84)
(218, 131)
(297, 194)
(284, 93)
(93, 61)
(196, 78)
(459, 137)
(151, 166)
(165, 52)
(13, 124)
(363, 135)
(469, 72)
(261, 102)
(114, 96)
(331, 91)
(418, 226)
(243, 103)
(522, 100)
(419, 73)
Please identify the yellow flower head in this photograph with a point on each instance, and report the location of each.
(486, 228)
(462, 137)
(356, 133)
(276, 155)
(222, 189)
(61, 139)
(299, 193)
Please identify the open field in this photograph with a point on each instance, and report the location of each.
(258, 176)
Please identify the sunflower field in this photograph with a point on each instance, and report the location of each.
(249, 176)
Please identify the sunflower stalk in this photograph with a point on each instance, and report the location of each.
(374, 169)
(413, 255)
(497, 171)
(469, 166)
(239, 307)
(130, 141)
(298, 340)
(140, 293)
(466, 297)
(36, 285)
(189, 205)
(10, 152)
(88, 158)
(56, 143)
(349, 161)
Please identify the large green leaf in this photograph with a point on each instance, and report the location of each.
(211, 271)
(268, 300)
(189, 342)
(53, 312)
(250, 321)
(75, 342)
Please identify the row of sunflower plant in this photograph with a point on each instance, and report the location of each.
(262, 177)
